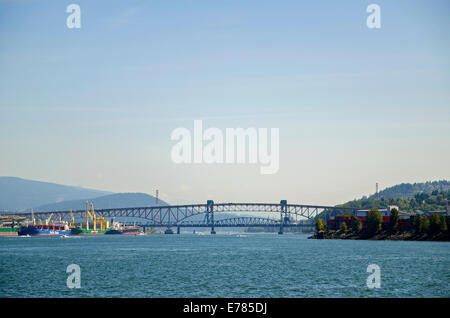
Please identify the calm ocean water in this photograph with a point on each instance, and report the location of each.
(186, 265)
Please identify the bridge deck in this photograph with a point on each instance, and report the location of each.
(179, 215)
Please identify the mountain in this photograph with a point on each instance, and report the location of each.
(18, 194)
(117, 200)
(409, 190)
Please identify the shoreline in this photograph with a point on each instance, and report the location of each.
(383, 236)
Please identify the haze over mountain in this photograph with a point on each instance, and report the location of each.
(18, 194)
(116, 200)
(21, 195)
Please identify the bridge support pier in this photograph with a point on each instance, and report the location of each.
(168, 231)
(283, 215)
(210, 214)
(178, 230)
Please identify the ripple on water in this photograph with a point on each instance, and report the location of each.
(222, 266)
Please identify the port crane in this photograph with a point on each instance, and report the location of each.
(48, 219)
(100, 221)
(72, 219)
(32, 217)
(88, 215)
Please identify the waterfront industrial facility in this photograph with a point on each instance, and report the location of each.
(94, 225)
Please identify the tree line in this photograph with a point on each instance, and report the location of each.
(422, 223)
(434, 201)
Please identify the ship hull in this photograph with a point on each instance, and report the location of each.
(8, 231)
(41, 232)
(78, 231)
(123, 232)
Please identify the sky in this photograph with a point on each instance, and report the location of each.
(95, 106)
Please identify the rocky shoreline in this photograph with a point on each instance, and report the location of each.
(383, 235)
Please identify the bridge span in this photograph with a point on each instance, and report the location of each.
(245, 221)
(177, 215)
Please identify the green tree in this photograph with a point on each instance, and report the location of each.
(435, 223)
(444, 227)
(374, 221)
(393, 220)
(448, 224)
(356, 224)
(418, 224)
(426, 224)
(343, 227)
(319, 225)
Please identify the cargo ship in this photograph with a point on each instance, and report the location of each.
(117, 228)
(9, 231)
(9, 225)
(58, 228)
(55, 228)
(124, 231)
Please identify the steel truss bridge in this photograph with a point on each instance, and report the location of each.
(178, 215)
(243, 221)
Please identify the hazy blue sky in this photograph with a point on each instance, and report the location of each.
(95, 106)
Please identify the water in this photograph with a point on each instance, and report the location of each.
(254, 265)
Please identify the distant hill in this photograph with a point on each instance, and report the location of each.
(436, 201)
(409, 190)
(427, 197)
(117, 200)
(123, 200)
(18, 194)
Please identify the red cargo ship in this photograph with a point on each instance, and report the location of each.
(117, 228)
